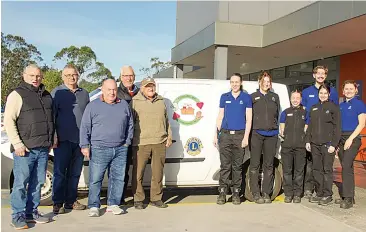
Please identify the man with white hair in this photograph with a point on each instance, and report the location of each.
(28, 121)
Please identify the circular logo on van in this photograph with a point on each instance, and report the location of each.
(187, 109)
(193, 146)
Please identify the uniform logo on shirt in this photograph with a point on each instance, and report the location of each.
(290, 114)
(187, 109)
(350, 107)
(193, 146)
(241, 102)
(303, 117)
(257, 98)
(273, 99)
(327, 112)
(315, 109)
(228, 102)
(311, 95)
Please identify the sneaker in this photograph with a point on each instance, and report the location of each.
(36, 217)
(115, 209)
(266, 198)
(258, 198)
(288, 199)
(221, 199)
(58, 209)
(75, 206)
(347, 203)
(297, 199)
(19, 221)
(308, 194)
(159, 204)
(325, 200)
(235, 198)
(93, 212)
(338, 201)
(315, 199)
(138, 205)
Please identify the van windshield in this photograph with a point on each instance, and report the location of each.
(92, 93)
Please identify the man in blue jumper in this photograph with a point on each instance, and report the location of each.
(310, 98)
(105, 134)
(69, 104)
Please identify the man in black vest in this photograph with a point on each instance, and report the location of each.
(126, 91)
(28, 121)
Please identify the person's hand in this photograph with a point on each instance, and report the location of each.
(55, 143)
(215, 141)
(86, 152)
(348, 144)
(245, 142)
(168, 143)
(308, 147)
(331, 149)
(21, 151)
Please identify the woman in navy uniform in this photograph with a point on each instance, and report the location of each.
(292, 132)
(233, 124)
(322, 138)
(353, 115)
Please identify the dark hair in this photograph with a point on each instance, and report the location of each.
(296, 91)
(349, 82)
(264, 74)
(241, 79)
(315, 70)
(324, 86)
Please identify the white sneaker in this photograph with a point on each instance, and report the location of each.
(115, 209)
(93, 212)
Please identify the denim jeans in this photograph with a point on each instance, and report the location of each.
(28, 170)
(68, 163)
(101, 159)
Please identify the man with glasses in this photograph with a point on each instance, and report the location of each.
(126, 91)
(70, 102)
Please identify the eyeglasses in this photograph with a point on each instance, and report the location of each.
(71, 75)
(128, 75)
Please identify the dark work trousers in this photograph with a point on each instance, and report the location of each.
(127, 177)
(267, 144)
(309, 182)
(323, 169)
(347, 157)
(231, 158)
(293, 161)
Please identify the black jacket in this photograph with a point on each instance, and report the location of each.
(123, 93)
(266, 109)
(35, 121)
(294, 134)
(325, 124)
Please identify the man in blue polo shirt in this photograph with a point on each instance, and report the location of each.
(233, 124)
(310, 98)
(69, 104)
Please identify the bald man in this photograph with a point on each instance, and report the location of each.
(106, 132)
(127, 90)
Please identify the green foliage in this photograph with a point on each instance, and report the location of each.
(16, 54)
(155, 66)
(88, 86)
(52, 79)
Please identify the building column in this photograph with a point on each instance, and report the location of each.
(178, 71)
(220, 63)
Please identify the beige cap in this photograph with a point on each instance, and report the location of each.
(147, 81)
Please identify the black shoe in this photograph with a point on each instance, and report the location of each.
(338, 201)
(347, 203)
(258, 198)
(297, 199)
(58, 209)
(75, 206)
(288, 199)
(159, 204)
(325, 200)
(315, 199)
(235, 198)
(138, 205)
(221, 199)
(308, 194)
(266, 198)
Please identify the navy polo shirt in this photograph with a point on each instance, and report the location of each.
(310, 96)
(235, 110)
(349, 113)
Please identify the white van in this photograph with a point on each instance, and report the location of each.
(192, 160)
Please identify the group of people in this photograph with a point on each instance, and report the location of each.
(312, 131)
(111, 131)
(116, 130)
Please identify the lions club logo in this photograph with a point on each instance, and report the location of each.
(193, 146)
(187, 109)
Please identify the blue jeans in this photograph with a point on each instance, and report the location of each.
(28, 170)
(101, 159)
(68, 163)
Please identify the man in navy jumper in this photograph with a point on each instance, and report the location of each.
(105, 134)
(310, 98)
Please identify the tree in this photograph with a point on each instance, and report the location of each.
(16, 54)
(155, 66)
(52, 79)
(85, 60)
(88, 86)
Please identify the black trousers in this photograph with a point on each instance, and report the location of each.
(293, 161)
(309, 182)
(231, 158)
(323, 169)
(347, 157)
(127, 177)
(268, 145)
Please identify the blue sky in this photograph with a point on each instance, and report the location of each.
(120, 33)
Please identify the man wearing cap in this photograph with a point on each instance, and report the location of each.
(152, 136)
(126, 91)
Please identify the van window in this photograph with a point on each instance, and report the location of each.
(92, 93)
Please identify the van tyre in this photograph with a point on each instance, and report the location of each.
(277, 185)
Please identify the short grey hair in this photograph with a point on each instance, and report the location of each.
(31, 66)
